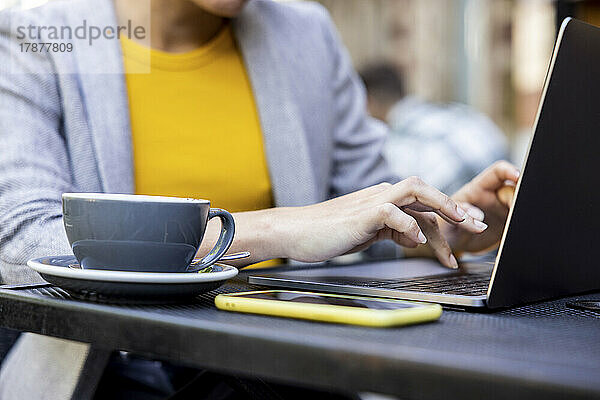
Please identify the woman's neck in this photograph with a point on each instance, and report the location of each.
(176, 26)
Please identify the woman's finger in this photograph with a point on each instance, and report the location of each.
(473, 211)
(416, 194)
(505, 195)
(438, 244)
(390, 216)
(472, 225)
(494, 176)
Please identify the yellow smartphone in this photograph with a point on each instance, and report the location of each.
(336, 308)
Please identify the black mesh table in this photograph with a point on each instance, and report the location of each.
(544, 350)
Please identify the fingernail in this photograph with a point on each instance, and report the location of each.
(516, 174)
(476, 213)
(480, 225)
(461, 212)
(422, 238)
(453, 262)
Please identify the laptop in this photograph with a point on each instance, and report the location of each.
(552, 235)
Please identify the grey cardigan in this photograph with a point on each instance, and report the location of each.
(64, 127)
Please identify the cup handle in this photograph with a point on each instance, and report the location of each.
(223, 244)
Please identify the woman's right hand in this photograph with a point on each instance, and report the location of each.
(404, 212)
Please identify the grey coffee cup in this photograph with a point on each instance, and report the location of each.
(141, 233)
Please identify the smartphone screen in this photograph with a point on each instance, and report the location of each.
(313, 298)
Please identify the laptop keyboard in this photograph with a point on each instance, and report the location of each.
(474, 284)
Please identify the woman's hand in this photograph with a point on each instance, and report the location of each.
(481, 193)
(404, 212)
(410, 213)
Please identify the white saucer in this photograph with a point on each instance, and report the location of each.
(68, 267)
(64, 271)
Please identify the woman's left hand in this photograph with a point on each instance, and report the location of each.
(481, 193)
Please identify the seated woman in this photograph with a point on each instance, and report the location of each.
(254, 106)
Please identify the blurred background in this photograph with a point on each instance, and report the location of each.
(489, 54)
(474, 69)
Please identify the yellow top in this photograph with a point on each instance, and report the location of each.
(195, 127)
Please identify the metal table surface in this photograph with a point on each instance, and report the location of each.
(544, 350)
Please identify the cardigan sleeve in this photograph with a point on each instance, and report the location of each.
(34, 163)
